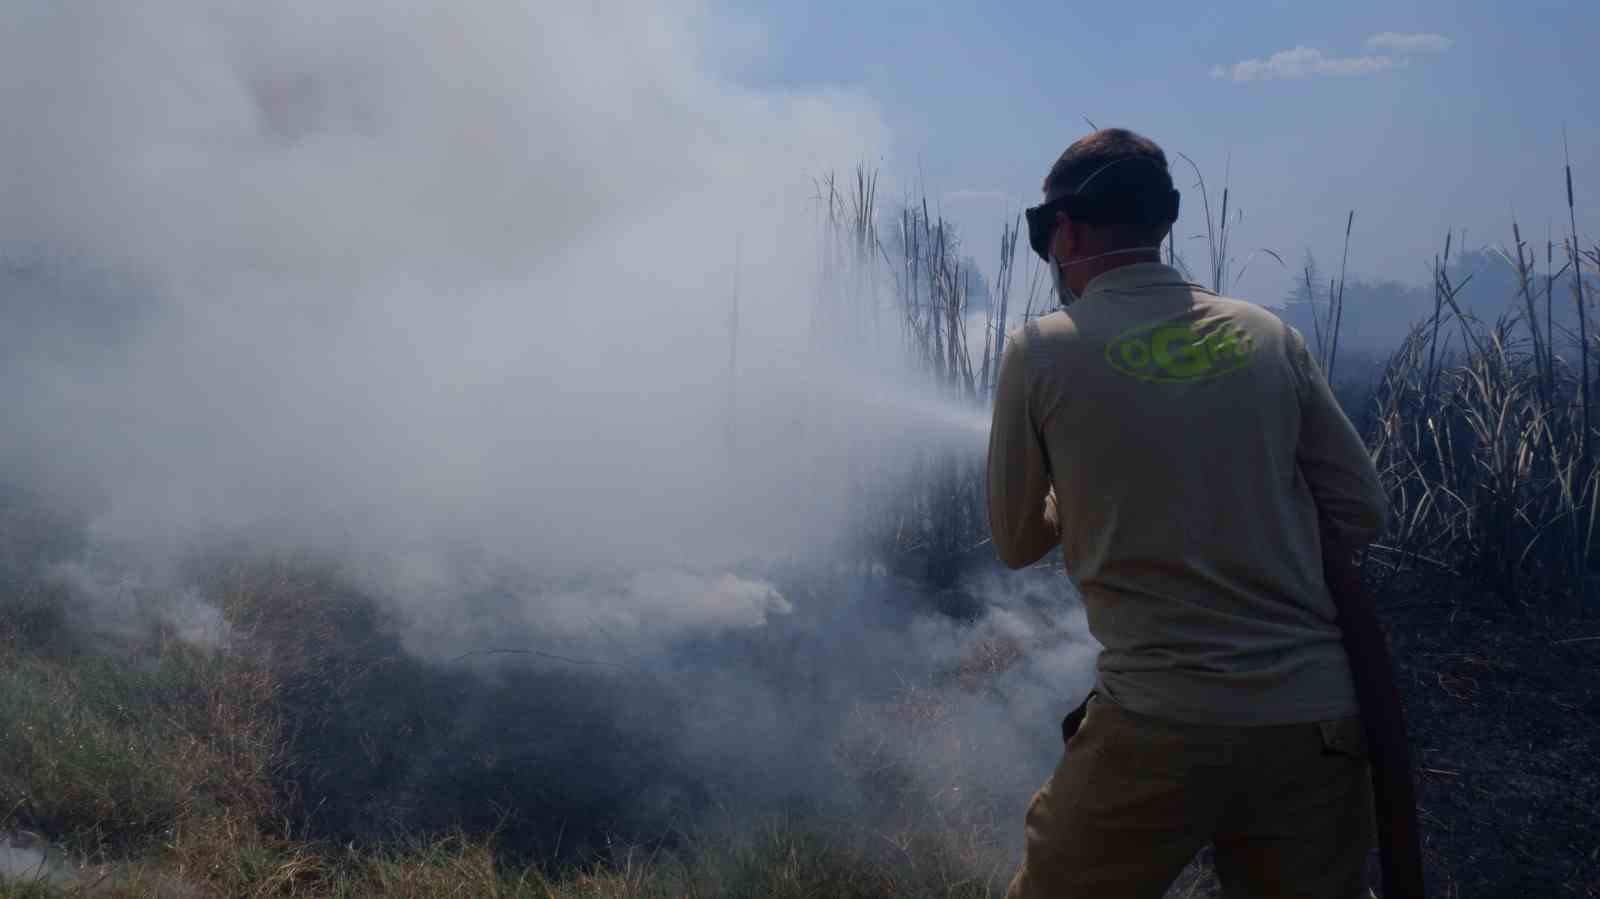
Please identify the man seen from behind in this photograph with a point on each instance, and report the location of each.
(1180, 448)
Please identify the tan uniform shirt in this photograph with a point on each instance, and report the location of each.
(1189, 440)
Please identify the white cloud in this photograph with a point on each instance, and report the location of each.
(1394, 42)
(1301, 61)
(1304, 62)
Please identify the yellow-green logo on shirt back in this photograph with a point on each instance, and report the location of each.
(1176, 351)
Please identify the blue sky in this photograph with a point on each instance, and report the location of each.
(1452, 120)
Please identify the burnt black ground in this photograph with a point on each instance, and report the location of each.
(1503, 705)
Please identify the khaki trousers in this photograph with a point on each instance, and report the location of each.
(1288, 809)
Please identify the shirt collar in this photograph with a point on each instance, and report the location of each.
(1136, 276)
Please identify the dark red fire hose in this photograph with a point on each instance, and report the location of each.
(1383, 719)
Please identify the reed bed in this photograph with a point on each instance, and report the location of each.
(1483, 430)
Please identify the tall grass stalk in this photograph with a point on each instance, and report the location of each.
(1484, 448)
(1336, 298)
(917, 270)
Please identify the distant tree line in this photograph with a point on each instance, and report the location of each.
(1379, 313)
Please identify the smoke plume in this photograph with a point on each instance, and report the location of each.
(446, 291)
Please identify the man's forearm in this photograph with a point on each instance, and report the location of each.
(1021, 500)
(1033, 538)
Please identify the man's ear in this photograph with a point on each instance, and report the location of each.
(1065, 241)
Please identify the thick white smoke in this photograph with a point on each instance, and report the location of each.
(445, 290)
(445, 271)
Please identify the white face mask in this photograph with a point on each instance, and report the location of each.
(1066, 294)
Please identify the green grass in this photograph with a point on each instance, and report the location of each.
(109, 749)
(308, 755)
(82, 764)
(14, 890)
(780, 862)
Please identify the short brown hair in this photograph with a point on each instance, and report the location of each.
(1094, 152)
(1113, 159)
